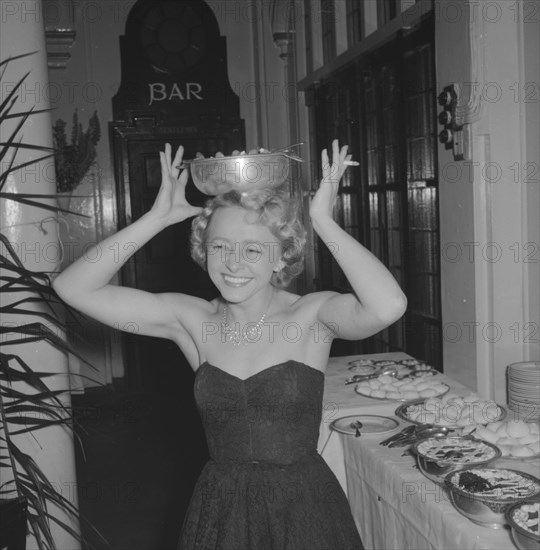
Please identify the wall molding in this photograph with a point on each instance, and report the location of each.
(59, 43)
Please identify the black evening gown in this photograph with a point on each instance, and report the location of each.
(265, 486)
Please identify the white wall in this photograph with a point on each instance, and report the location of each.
(487, 224)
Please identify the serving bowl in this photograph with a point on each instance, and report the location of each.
(522, 517)
(437, 456)
(484, 494)
(419, 412)
(216, 175)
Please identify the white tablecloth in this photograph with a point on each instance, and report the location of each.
(394, 505)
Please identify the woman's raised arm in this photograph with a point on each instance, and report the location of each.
(377, 301)
(85, 285)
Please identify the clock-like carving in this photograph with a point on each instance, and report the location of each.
(172, 36)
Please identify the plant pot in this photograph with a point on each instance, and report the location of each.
(13, 524)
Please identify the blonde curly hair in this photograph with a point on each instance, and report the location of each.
(276, 210)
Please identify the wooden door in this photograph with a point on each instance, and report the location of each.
(164, 264)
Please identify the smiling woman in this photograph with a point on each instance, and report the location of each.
(254, 346)
(272, 213)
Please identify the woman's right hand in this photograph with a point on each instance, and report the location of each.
(171, 205)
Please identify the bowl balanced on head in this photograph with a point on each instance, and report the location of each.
(258, 169)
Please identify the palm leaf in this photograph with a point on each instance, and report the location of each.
(11, 98)
(34, 112)
(12, 143)
(39, 332)
(14, 57)
(21, 145)
(14, 310)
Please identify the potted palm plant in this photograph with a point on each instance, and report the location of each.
(28, 404)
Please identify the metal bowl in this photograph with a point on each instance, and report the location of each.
(437, 468)
(488, 510)
(523, 538)
(214, 176)
(401, 412)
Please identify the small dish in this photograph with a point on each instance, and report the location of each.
(363, 367)
(523, 520)
(371, 424)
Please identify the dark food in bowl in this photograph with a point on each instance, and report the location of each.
(497, 484)
(474, 483)
(485, 494)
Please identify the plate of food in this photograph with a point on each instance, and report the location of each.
(452, 411)
(436, 456)
(390, 388)
(516, 439)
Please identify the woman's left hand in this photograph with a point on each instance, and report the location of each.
(325, 198)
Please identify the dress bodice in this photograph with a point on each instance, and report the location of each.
(272, 416)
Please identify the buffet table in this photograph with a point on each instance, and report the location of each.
(394, 505)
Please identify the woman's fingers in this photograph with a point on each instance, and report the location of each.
(183, 177)
(325, 163)
(168, 156)
(335, 150)
(177, 161)
(343, 153)
(164, 166)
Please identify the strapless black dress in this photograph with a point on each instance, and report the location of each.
(265, 486)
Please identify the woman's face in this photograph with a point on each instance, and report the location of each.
(240, 256)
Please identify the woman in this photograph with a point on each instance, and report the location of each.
(259, 353)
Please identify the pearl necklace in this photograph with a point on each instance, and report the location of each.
(251, 332)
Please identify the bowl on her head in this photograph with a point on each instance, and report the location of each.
(213, 176)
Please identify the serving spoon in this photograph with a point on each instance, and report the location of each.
(389, 371)
(399, 436)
